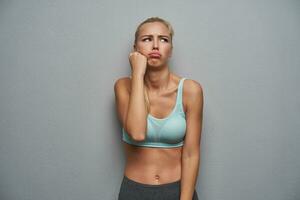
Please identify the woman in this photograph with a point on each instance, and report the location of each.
(161, 119)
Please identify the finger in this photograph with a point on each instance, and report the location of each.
(140, 53)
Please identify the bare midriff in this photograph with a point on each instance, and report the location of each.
(154, 166)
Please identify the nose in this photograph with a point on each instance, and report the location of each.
(155, 43)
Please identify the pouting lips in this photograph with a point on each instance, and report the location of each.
(154, 55)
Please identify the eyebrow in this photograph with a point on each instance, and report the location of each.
(152, 36)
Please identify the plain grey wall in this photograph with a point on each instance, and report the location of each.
(60, 136)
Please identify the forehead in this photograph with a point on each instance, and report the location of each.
(154, 28)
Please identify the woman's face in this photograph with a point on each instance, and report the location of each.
(154, 41)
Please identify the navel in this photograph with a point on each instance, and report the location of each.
(157, 177)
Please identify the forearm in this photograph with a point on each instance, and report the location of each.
(136, 122)
(189, 174)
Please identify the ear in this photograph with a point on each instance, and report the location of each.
(134, 47)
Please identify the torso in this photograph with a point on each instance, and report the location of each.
(155, 165)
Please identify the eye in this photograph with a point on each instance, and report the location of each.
(164, 39)
(145, 39)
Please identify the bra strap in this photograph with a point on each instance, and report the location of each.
(180, 91)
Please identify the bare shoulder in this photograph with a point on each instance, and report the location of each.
(192, 87)
(123, 83)
(192, 93)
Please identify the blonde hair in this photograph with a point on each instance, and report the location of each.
(146, 99)
(136, 35)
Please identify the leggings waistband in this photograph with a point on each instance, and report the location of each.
(132, 182)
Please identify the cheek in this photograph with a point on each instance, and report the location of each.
(168, 52)
(142, 47)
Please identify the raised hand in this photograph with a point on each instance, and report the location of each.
(138, 63)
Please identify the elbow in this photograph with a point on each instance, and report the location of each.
(193, 154)
(139, 137)
(136, 135)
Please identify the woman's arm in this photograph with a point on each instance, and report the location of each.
(131, 103)
(191, 149)
(131, 106)
(136, 120)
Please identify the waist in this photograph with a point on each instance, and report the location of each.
(153, 175)
(153, 165)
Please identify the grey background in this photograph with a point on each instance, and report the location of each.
(60, 136)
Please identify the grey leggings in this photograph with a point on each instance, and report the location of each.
(131, 190)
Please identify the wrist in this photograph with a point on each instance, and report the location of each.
(138, 76)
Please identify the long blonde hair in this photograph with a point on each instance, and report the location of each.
(147, 101)
(171, 30)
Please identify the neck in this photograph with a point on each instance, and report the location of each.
(157, 80)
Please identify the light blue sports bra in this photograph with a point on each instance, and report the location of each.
(165, 132)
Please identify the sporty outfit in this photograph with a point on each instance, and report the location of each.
(168, 132)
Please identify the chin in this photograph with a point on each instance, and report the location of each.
(155, 63)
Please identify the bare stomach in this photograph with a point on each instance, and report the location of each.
(153, 166)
